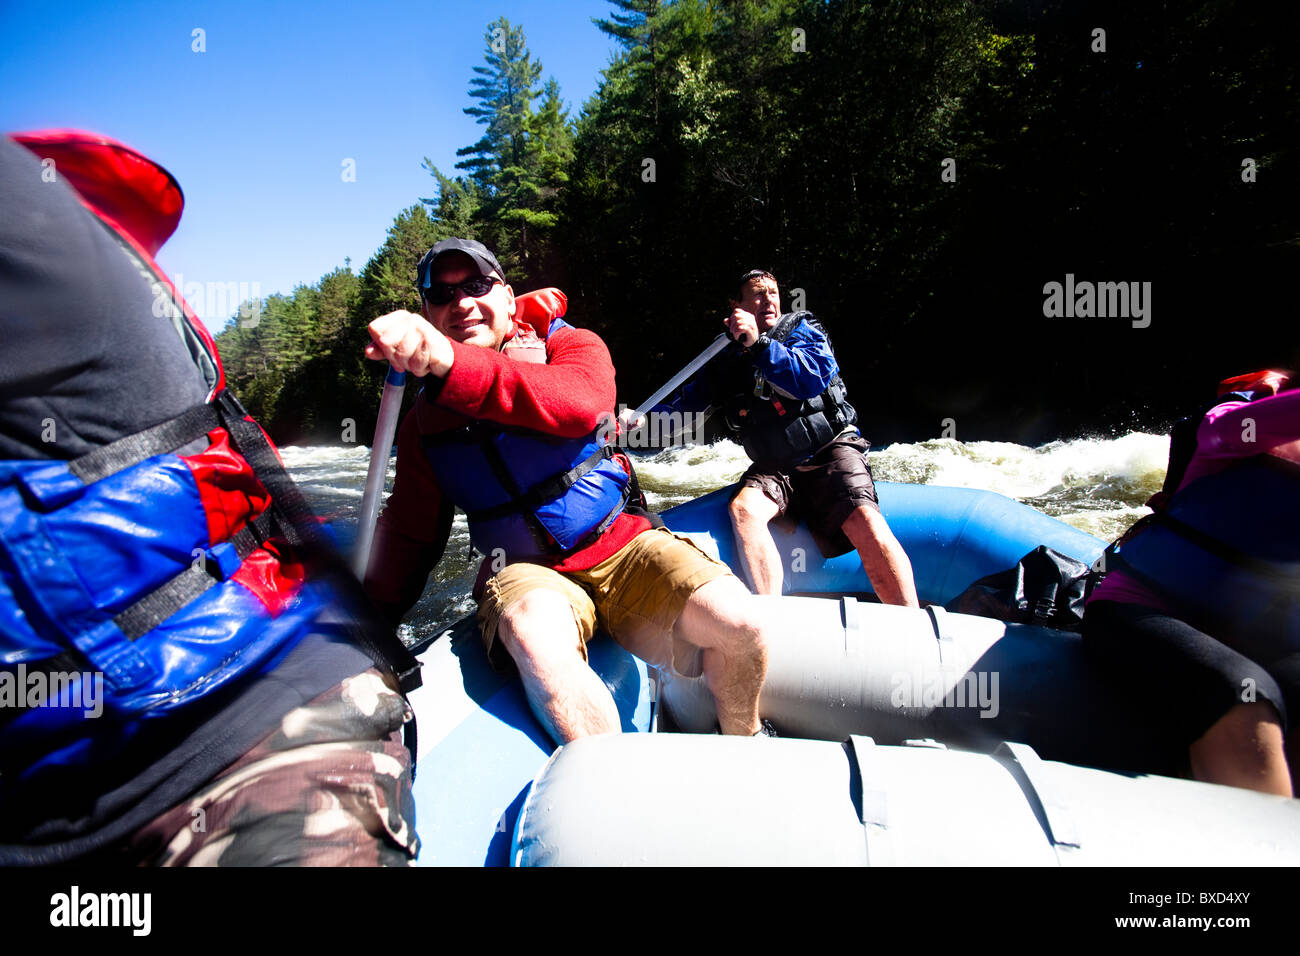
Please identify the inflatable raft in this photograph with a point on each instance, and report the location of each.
(600, 802)
(1019, 701)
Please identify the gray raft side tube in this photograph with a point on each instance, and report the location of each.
(682, 800)
(837, 668)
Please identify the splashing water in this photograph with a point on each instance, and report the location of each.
(1098, 485)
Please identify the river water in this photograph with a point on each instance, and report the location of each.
(1095, 484)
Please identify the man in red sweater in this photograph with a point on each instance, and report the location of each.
(512, 425)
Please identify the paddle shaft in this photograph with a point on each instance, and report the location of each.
(385, 427)
(693, 366)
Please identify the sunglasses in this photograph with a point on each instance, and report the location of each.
(440, 293)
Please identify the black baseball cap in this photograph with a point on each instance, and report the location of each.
(478, 252)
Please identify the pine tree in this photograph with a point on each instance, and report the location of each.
(339, 291)
(456, 208)
(553, 141)
(506, 88)
(516, 170)
(633, 27)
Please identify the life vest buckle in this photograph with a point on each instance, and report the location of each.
(222, 560)
(1044, 610)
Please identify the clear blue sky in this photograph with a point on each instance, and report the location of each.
(256, 128)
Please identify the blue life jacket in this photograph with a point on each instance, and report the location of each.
(778, 429)
(527, 493)
(134, 580)
(120, 592)
(1226, 552)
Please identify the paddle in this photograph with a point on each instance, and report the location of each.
(693, 366)
(385, 428)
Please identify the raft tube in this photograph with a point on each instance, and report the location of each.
(839, 668)
(480, 745)
(953, 537)
(679, 800)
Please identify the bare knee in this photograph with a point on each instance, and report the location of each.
(538, 627)
(1256, 723)
(725, 615)
(749, 628)
(1244, 748)
(866, 522)
(751, 509)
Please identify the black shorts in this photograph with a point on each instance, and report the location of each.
(1188, 678)
(823, 491)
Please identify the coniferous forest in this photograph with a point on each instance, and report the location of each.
(918, 173)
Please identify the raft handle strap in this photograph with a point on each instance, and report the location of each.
(849, 613)
(870, 798)
(939, 622)
(1053, 814)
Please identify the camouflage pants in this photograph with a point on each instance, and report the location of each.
(331, 786)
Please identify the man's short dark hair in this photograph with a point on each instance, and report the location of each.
(749, 277)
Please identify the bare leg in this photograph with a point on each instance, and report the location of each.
(568, 697)
(1244, 749)
(728, 622)
(883, 558)
(750, 512)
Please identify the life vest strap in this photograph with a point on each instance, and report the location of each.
(780, 332)
(58, 664)
(298, 525)
(127, 452)
(1221, 549)
(783, 328)
(544, 491)
(161, 603)
(301, 529)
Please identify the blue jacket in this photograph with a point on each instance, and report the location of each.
(782, 398)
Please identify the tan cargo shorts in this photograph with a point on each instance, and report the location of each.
(635, 596)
